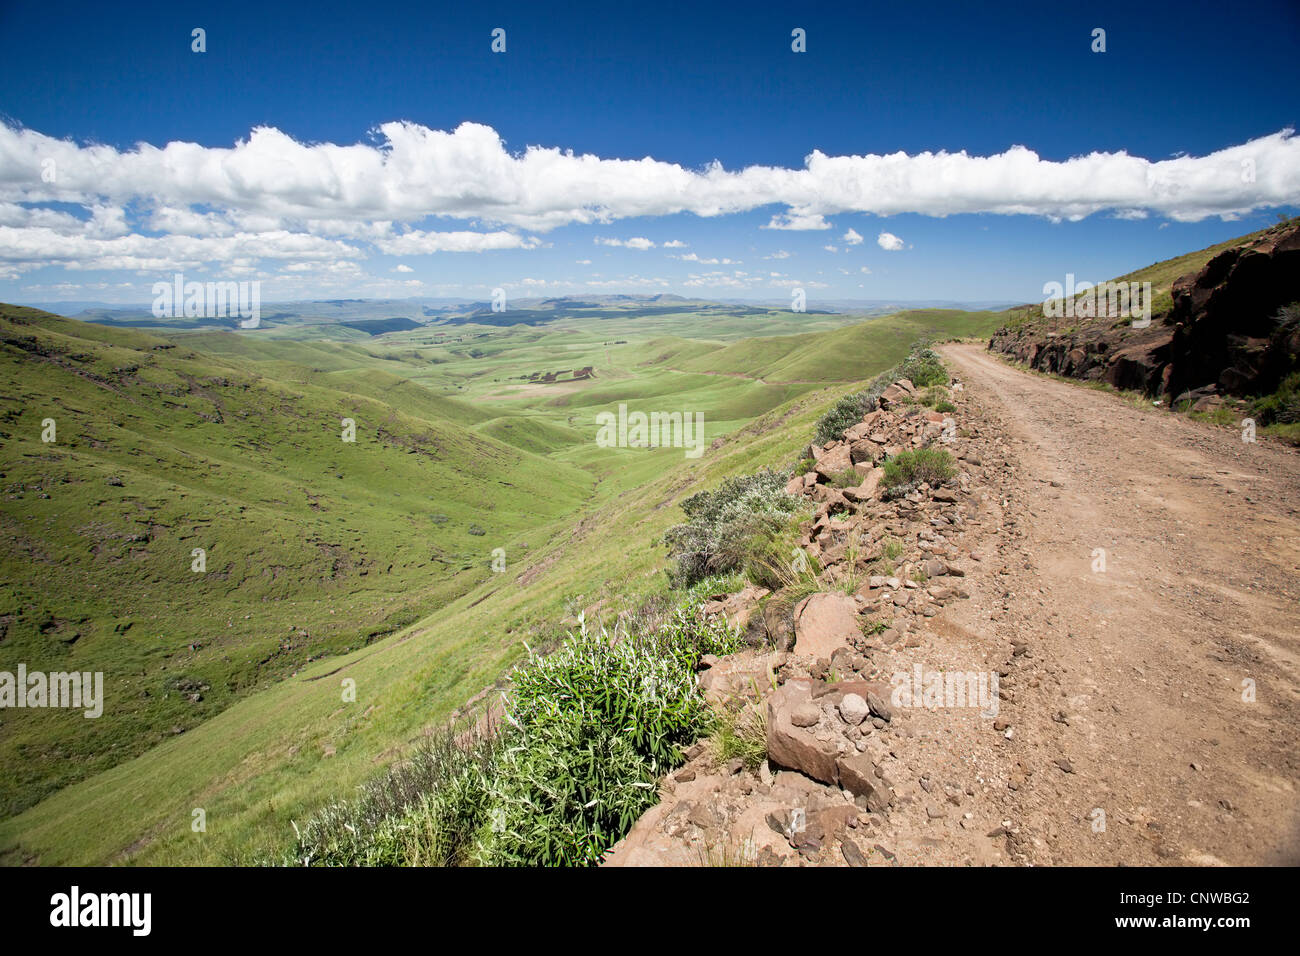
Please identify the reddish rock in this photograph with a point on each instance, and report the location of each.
(869, 488)
(834, 460)
(858, 776)
(791, 746)
(825, 622)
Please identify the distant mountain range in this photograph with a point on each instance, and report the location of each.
(458, 311)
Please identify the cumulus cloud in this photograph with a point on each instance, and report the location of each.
(889, 242)
(418, 242)
(853, 238)
(675, 244)
(636, 242)
(798, 221)
(207, 201)
(411, 171)
(693, 257)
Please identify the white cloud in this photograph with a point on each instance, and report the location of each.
(411, 172)
(830, 248)
(675, 244)
(693, 257)
(797, 221)
(779, 254)
(28, 248)
(853, 238)
(270, 196)
(889, 242)
(636, 242)
(403, 268)
(417, 242)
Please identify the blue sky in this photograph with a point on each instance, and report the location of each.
(683, 86)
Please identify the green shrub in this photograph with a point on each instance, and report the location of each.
(593, 726)
(848, 478)
(945, 407)
(911, 468)
(769, 558)
(589, 730)
(923, 368)
(850, 409)
(724, 524)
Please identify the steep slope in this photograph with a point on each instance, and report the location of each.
(312, 546)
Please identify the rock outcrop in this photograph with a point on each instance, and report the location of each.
(1223, 334)
(1227, 327)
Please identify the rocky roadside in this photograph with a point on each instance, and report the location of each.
(884, 701)
(1224, 337)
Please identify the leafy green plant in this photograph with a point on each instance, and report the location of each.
(425, 810)
(593, 727)
(588, 731)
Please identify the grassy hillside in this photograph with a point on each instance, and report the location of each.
(578, 529)
(313, 546)
(841, 355)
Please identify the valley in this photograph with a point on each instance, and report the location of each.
(388, 525)
(374, 556)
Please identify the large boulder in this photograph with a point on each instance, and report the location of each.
(858, 775)
(825, 622)
(869, 488)
(794, 747)
(834, 460)
(1225, 328)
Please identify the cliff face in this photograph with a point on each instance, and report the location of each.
(1224, 333)
(1227, 330)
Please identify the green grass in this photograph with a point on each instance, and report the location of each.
(425, 628)
(312, 546)
(740, 734)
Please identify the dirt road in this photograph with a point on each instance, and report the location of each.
(1153, 567)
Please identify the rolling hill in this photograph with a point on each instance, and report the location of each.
(312, 545)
